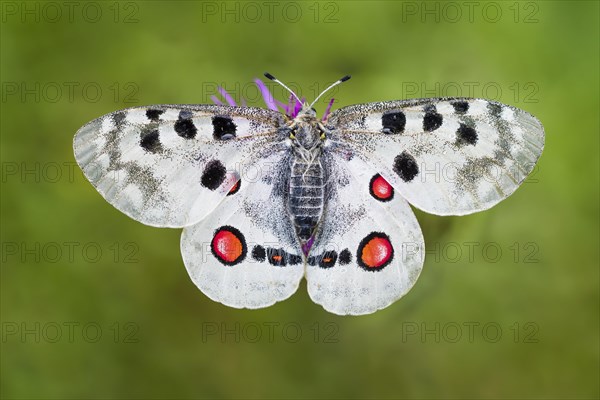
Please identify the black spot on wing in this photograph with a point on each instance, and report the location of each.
(325, 260)
(277, 257)
(185, 126)
(119, 119)
(469, 176)
(406, 166)
(495, 109)
(506, 137)
(460, 107)
(432, 119)
(345, 257)
(362, 123)
(393, 122)
(466, 135)
(153, 114)
(328, 259)
(258, 253)
(143, 177)
(213, 175)
(293, 259)
(149, 140)
(223, 128)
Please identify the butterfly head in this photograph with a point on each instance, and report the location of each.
(305, 131)
(306, 107)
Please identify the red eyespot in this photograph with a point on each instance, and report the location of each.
(233, 181)
(375, 251)
(235, 188)
(380, 189)
(228, 245)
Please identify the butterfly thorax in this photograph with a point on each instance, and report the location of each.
(307, 188)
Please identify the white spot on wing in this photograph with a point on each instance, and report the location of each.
(107, 125)
(137, 116)
(168, 137)
(171, 114)
(445, 109)
(131, 198)
(478, 107)
(373, 122)
(508, 114)
(414, 121)
(203, 124)
(243, 127)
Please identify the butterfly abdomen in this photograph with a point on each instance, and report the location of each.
(306, 196)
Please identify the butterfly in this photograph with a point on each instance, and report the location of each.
(266, 198)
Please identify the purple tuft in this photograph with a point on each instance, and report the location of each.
(292, 109)
(267, 96)
(328, 109)
(216, 100)
(307, 246)
(283, 106)
(227, 97)
(295, 106)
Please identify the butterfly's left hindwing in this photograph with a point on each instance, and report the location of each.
(170, 165)
(449, 156)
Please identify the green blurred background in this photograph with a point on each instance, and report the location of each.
(96, 305)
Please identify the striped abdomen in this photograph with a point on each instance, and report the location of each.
(306, 196)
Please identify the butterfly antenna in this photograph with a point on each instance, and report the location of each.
(343, 79)
(271, 77)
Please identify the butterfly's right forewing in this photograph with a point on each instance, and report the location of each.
(448, 156)
(171, 165)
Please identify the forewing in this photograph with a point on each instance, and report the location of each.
(369, 249)
(170, 165)
(448, 156)
(245, 254)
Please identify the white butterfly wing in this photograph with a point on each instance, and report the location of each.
(448, 156)
(170, 165)
(246, 255)
(369, 249)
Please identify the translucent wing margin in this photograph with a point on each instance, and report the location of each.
(446, 156)
(170, 165)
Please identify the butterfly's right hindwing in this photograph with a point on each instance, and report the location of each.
(170, 165)
(246, 255)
